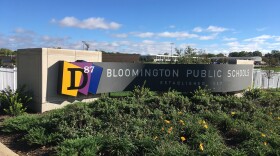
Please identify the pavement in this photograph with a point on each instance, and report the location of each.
(5, 151)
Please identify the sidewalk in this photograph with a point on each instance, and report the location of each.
(4, 151)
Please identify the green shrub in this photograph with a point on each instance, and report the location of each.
(40, 136)
(145, 145)
(89, 146)
(113, 145)
(155, 124)
(141, 92)
(173, 149)
(201, 100)
(254, 93)
(20, 123)
(14, 102)
(173, 98)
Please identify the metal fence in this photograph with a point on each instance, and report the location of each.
(8, 77)
(265, 79)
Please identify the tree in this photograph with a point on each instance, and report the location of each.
(276, 54)
(233, 54)
(6, 52)
(190, 51)
(220, 55)
(209, 55)
(243, 54)
(271, 59)
(257, 53)
(166, 54)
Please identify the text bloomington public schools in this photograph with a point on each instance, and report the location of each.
(174, 73)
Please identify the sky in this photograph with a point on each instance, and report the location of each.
(142, 26)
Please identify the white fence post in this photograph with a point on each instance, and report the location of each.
(8, 77)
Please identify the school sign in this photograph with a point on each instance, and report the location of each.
(102, 77)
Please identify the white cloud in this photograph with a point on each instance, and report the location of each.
(197, 29)
(229, 39)
(212, 28)
(123, 35)
(144, 34)
(176, 35)
(262, 29)
(259, 39)
(277, 39)
(89, 23)
(148, 42)
(210, 37)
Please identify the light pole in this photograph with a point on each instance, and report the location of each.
(171, 51)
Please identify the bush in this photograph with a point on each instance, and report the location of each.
(141, 92)
(114, 145)
(89, 146)
(173, 98)
(201, 100)
(14, 102)
(19, 124)
(40, 136)
(253, 93)
(166, 124)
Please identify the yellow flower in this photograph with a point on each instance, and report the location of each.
(155, 138)
(232, 113)
(201, 122)
(182, 122)
(180, 113)
(183, 139)
(201, 146)
(265, 143)
(205, 126)
(278, 117)
(263, 135)
(169, 130)
(167, 121)
(270, 113)
(162, 129)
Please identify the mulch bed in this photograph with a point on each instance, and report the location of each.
(13, 142)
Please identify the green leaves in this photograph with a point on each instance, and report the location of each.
(12, 102)
(150, 124)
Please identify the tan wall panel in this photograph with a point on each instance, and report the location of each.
(89, 56)
(38, 69)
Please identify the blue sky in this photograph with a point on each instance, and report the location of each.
(142, 26)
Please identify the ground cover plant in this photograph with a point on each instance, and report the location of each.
(169, 123)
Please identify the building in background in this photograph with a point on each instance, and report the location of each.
(158, 58)
(7, 61)
(232, 60)
(119, 57)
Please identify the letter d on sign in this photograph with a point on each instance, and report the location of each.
(71, 79)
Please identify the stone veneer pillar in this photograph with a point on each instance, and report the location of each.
(37, 69)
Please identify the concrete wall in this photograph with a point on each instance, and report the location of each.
(38, 70)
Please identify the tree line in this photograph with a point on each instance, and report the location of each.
(6, 52)
(192, 55)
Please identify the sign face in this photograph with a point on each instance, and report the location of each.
(104, 77)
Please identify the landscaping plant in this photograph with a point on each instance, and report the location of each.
(170, 123)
